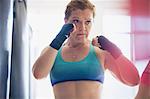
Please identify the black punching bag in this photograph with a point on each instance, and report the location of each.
(19, 77)
(5, 44)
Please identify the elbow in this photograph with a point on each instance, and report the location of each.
(131, 80)
(137, 80)
(37, 75)
(134, 82)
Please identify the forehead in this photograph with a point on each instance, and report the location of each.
(82, 14)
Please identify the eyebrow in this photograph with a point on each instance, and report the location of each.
(79, 18)
(75, 17)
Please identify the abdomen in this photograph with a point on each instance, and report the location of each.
(78, 90)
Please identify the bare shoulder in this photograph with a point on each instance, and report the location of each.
(102, 55)
(105, 57)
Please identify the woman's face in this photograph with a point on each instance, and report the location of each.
(82, 20)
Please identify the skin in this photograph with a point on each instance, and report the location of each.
(143, 92)
(132, 77)
(144, 87)
(78, 45)
(76, 49)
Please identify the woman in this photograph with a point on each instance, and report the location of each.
(77, 68)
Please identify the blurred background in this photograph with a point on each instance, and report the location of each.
(27, 26)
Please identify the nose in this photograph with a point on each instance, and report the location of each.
(82, 27)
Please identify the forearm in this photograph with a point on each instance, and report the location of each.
(46, 60)
(124, 68)
(44, 63)
(128, 71)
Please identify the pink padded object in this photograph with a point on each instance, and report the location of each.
(145, 79)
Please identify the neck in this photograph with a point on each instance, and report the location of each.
(72, 44)
(75, 45)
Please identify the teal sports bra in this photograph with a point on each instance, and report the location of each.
(88, 68)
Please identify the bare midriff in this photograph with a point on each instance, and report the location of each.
(77, 90)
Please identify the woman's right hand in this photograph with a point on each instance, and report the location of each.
(105, 44)
(62, 36)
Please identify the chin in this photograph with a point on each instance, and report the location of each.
(81, 40)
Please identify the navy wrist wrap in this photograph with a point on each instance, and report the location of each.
(62, 36)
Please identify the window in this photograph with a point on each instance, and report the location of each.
(117, 28)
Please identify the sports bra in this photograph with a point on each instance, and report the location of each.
(88, 68)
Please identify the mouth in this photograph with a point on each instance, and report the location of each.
(81, 35)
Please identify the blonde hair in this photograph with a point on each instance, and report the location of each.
(79, 4)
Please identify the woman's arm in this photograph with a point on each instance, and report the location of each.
(108, 62)
(46, 60)
(123, 69)
(117, 63)
(44, 63)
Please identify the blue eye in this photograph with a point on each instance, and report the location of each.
(87, 22)
(76, 21)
